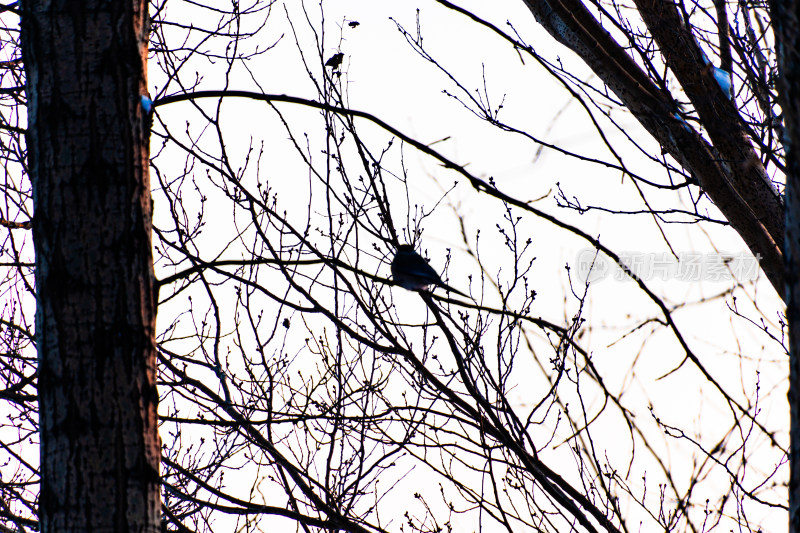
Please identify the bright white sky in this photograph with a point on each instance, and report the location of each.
(386, 78)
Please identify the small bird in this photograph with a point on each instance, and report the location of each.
(411, 271)
(335, 61)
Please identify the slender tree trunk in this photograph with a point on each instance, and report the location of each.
(88, 158)
(740, 188)
(787, 28)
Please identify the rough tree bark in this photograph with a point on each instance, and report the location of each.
(787, 28)
(95, 321)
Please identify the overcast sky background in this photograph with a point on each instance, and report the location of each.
(383, 76)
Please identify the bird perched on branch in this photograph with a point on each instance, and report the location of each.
(335, 61)
(411, 271)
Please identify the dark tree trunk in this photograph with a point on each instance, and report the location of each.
(741, 189)
(787, 28)
(95, 321)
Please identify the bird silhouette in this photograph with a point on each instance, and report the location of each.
(411, 271)
(335, 61)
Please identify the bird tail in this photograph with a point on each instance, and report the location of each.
(451, 289)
